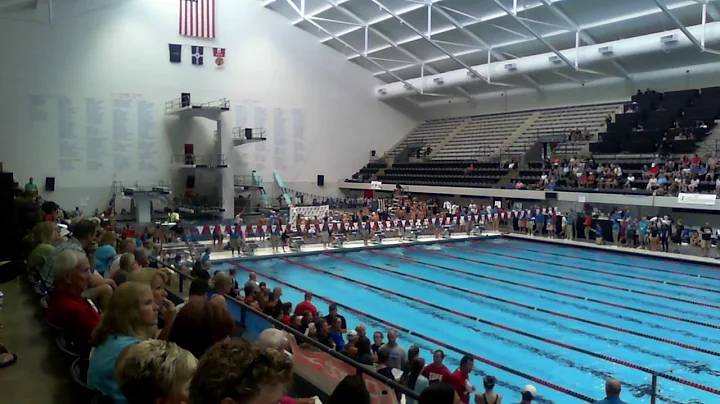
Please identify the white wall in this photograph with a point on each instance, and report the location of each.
(318, 109)
(561, 95)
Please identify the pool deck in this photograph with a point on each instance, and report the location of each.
(686, 254)
(266, 252)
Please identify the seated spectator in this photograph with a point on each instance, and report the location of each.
(323, 333)
(125, 246)
(336, 333)
(68, 309)
(235, 371)
(612, 392)
(199, 325)
(105, 253)
(83, 239)
(273, 308)
(630, 181)
(156, 279)
(235, 291)
(130, 318)
(440, 393)
(222, 284)
(415, 380)
(155, 371)
(252, 281)
(470, 169)
(198, 291)
(199, 271)
(351, 390)
(44, 238)
(142, 258)
(127, 265)
(332, 313)
(652, 183)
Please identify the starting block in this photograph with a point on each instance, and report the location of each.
(479, 228)
(414, 233)
(378, 238)
(296, 243)
(339, 241)
(447, 231)
(251, 247)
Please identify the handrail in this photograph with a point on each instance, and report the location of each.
(302, 338)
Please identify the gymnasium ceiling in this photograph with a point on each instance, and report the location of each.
(462, 31)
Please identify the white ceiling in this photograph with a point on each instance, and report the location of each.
(461, 31)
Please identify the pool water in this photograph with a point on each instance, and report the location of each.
(564, 318)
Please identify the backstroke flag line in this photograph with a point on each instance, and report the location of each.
(197, 18)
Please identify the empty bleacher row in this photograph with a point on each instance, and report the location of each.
(482, 136)
(429, 134)
(445, 173)
(559, 122)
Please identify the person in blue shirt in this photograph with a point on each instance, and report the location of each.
(570, 225)
(612, 392)
(539, 223)
(643, 232)
(630, 229)
(616, 232)
(205, 260)
(598, 234)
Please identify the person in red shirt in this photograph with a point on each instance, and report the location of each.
(306, 305)
(68, 309)
(696, 160)
(460, 379)
(436, 371)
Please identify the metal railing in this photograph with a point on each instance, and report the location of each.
(239, 132)
(209, 160)
(181, 103)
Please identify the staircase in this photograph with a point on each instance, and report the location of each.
(448, 138)
(505, 179)
(712, 142)
(258, 182)
(518, 132)
(281, 184)
(374, 177)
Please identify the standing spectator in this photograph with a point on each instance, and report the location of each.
(530, 392)
(236, 371)
(306, 305)
(630, 229)
(460, 379)
(643, 232)
(336, 333)
(198, 271)
(489, 397)
(437, 371)
(252, 281)
(569, 225)
(416, 381)
(664, 235)
(361, 330)
(350, 390)
(440, 393)
(654, 231)
(398, 356)
(235, 290)
(615, 232)
(30, 186)
(364, 351)
(612, 392)
(205, 259)
(333, 312)
(382, 367)
(377, 342)
(706, 235)
(588, 226)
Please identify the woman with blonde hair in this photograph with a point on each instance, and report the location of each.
(157, 279)
(154, 371)
(131, 317)
(105, 253)
(45, 236)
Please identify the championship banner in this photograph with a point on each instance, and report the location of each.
(309, 212)
(696, 199)
(264, 228)
(200, 229)
(326, 372)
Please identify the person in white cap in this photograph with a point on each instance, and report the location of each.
(528, 394)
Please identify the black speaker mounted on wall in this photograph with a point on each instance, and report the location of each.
(50, 183)
(190, 183)
(185, 100)
(321, 180)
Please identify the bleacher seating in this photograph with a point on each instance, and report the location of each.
(369, 170)
(445, 173)
(429, 134)
(558, 122)
(482, 136)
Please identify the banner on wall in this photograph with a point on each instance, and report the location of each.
(175, 53)
(197, 55)
(376, 185)
(219, 54)
(697, 199)
(325, 372)
(309, 212)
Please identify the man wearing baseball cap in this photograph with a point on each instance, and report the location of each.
(528, 394)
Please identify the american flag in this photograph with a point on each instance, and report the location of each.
(197, 18)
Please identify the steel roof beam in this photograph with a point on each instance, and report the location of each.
(584, 35)
(683, 29)
(497, 55)
(378, 33)
(430, 41)
(321, 28)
